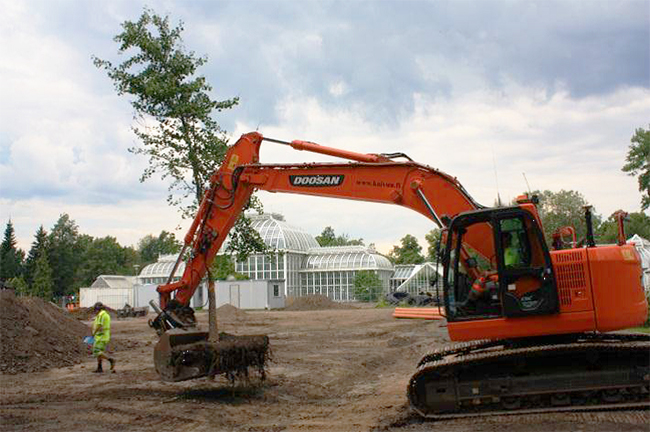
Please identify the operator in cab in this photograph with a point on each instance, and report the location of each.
(511, 255)
(486, 286)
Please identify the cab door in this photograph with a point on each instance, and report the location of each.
(526, 281)
(463, 266)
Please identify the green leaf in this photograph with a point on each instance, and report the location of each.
(174, 110)
(638, 163)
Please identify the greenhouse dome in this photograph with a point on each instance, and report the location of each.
(296, 263)
(346, 258)
(278, 234)
(158, 272)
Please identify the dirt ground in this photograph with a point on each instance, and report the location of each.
(332, 370)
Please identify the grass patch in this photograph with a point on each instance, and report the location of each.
(383, 303)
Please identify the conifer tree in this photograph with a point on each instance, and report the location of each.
(43, 285)
(64, 254)
(10, 257)
(39, 244)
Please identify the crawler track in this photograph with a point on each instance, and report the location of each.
(568, 373)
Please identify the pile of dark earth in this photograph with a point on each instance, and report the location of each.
(37, 335)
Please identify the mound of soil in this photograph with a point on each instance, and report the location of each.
(313, 302)
(36, 335)
(230, 312)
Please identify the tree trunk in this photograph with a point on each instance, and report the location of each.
(213, 335)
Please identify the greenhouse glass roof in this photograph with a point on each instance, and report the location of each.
(278, 234)
(415, 277)
(163, 267)
(113, 281)
(403, 271)
(346, 258)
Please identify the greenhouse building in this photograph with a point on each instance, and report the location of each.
(302, 267)
(331, 271)
(416, 278)
(296, 266)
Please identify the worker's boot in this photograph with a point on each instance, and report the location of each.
(99, 367)
(112, 362)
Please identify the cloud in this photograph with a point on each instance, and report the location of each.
(550, 89)
(385, 52)
(62, 138)
(557, 141)
(128, 221)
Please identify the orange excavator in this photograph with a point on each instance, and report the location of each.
(536, 336)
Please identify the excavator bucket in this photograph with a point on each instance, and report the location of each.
(171, 362)
(183, 354)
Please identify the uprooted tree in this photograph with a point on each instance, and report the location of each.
(185, 144)
(174, 113)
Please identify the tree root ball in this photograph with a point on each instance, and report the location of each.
(233, 355)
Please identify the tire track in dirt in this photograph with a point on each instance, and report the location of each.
(606, 421)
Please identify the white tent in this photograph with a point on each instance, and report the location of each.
(643, 247)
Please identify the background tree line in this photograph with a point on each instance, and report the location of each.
(557, 209)
(62, 260)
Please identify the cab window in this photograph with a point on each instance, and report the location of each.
(515, 246)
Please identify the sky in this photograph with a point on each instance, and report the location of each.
(506, 96)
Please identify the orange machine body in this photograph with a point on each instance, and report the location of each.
(599, 289)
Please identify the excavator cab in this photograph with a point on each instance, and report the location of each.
(516, 280)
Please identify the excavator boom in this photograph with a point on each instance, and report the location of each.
(374, 178)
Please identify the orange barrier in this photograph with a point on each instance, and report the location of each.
(428, 313)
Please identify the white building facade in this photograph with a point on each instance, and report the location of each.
(295, 266)
(643, 248)
(301, 267)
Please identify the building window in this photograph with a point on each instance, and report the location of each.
(276, 290)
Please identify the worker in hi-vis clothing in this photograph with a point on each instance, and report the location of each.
(511, 256)
(101, 330)
(489, 281)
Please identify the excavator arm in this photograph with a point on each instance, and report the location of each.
(375, 178)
